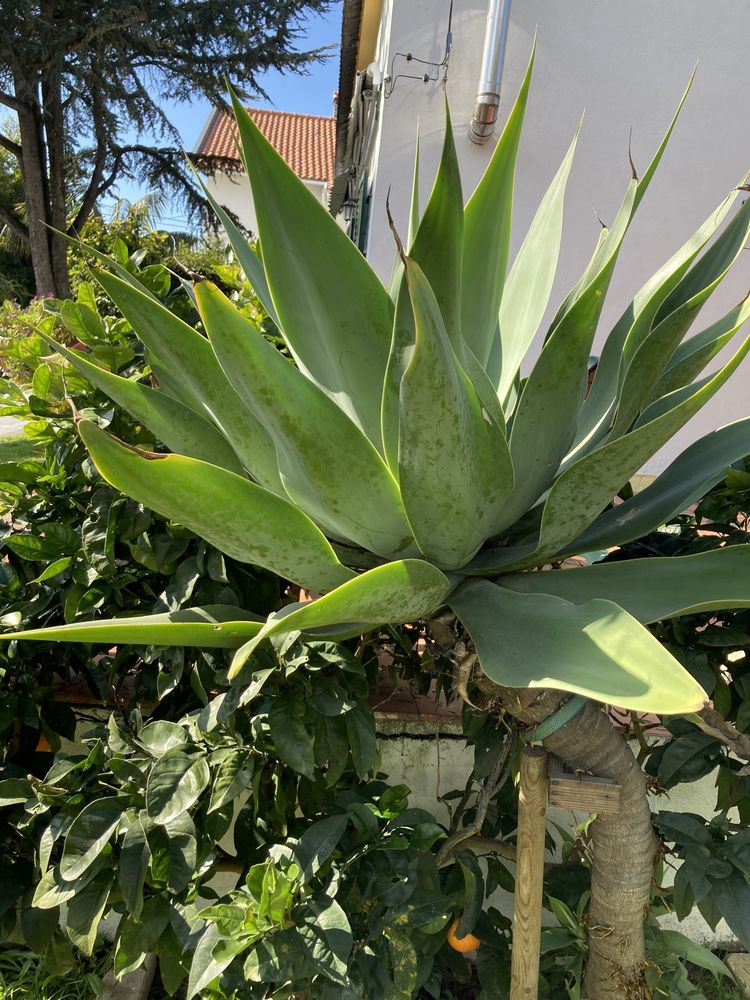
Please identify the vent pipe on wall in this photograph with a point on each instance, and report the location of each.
(493, 56)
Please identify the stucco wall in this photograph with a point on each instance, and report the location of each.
(626, 63)
(233, 192)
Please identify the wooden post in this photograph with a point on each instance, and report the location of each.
(527, 904)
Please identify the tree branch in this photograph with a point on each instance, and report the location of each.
(11, 146)
(12, 102)
(95, 187)
(14, 223)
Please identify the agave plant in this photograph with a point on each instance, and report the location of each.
(404, 464)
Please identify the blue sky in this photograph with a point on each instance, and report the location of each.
(311, 94)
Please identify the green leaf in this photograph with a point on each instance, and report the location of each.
(175, 784)
(404, 965)
(317, 445)
(587, 487)
(335, 314)
(160, 736)
(136, 938)
(14, 791)
(246, 256)
(291, 737)
(442, 448)
(652, 589)
(487, 225)
(241, 519)
(215, 626)
(394, 593)
(363, 745)
(731, 897)
(318, 842)
(595, 649)
(532, 276)
(652, 356)
(232, 777)
(325, 930)
(688, 478)
(545, 419)
(473, 897)
(135, 857)
(190, 361)
(180, 428)
(89, 834)
(85, 911)
(692, 952)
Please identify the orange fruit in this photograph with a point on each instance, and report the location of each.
(469, 942)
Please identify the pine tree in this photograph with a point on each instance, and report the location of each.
(81, 78)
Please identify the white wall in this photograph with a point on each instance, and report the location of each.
(626, 62)
(233, 192)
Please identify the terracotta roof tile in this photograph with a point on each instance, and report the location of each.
(307, 142)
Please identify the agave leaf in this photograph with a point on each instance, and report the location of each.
(216, 626)
(181, 429)
(246, 256)
(692, 356)
(531, 277)
(447, 440)
(587, 487)
(632, 328)
(652, 589)
(687, 478)
(545, 420)
(603, 248)
(487, 224)
(189, 359)
(436, 247)
(240, 518)
(339, 334)
(685, 302)
(594, 649)
(397, 271)
(318, 447)
(397, 592)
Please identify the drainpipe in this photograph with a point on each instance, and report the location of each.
(493, 56)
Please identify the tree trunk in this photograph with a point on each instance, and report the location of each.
(54, 130)
(623, 846)
(36, 189)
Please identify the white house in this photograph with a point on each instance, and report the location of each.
(626, 62)
(305, 141)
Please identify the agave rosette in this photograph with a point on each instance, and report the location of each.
(403, 465)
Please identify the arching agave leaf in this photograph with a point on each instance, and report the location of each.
(487, 225)
(181, 429)
(317, 444)
(397, 592)
(597, 411)
(544, 423)
(216, 626)
(594, 649)
(437, 248)
(692, 356)
(240, 518)
(189, 358)
(531, 277)
(655, 588)
(674, 319)
(335, 314)
(447, 441)
(246, 256)
(700, 467)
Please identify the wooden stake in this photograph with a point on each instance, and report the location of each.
(527, 903)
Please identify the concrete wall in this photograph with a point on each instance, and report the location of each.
(626, 63)
(233, 192)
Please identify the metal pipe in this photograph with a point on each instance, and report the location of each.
(493, 56)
